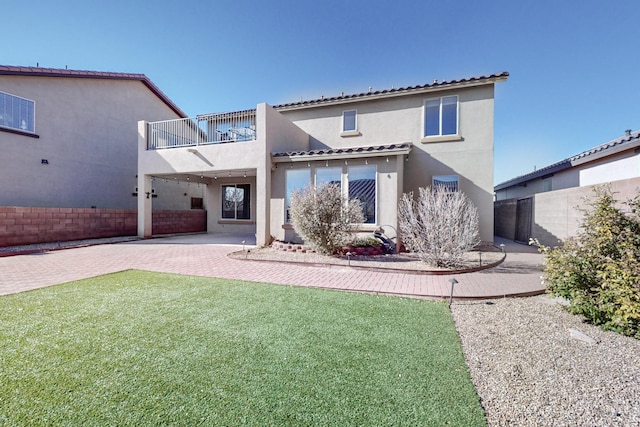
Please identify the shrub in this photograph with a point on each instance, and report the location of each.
(364, 242)
(440, 226)
(598, 270)
(324, 218)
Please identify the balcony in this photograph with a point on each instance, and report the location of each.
(206, 129)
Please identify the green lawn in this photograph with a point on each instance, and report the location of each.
(140, 348)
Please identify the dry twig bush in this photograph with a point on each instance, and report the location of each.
(324, 218)
(440, 226)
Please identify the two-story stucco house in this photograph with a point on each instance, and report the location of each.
(377, 145)
(69, 146)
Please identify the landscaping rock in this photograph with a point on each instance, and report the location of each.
(528, 373)
(576, 334)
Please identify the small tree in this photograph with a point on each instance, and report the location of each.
(324, 218)
(440, 226)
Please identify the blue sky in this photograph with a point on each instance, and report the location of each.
(574, 65)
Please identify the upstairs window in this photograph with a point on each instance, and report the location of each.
(349, 121)
(441, 116)
(17, 113)
(446, 182)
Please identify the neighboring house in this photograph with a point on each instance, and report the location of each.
(377, 145)
(542, 204)
(68, 142)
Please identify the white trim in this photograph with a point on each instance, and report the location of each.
(350, 133)
(445, 138)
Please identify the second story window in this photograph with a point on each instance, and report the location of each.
(441, 116)
(349, 123)
(17, 113)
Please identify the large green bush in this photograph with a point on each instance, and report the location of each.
(598, 270)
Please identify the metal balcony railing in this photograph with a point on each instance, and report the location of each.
(204, 129)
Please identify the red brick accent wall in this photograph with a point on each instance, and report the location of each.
(25, 225)
(169, 222)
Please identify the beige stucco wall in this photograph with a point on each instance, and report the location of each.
(273, 133)
(88, 134)
(389, 178)
(616, 167)
(400, 120)
(556, 214)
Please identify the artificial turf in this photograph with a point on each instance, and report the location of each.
(141, 348)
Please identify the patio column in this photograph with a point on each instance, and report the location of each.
(263, 197)
(144, 187)
(145, 207)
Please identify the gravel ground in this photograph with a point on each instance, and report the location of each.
(530, 370)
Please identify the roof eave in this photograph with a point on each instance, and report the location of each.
(606, 152)
(540, 173)
(372, 96)
(401, 151)
(54, 72)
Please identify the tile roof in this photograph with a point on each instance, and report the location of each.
(375, 149)
(611, 147)
(56, 72)
(491, 78)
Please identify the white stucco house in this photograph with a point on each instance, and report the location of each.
(377, 145)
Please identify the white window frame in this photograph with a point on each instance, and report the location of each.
(21, 128)
(448, 179)
(440, 136)
(350, 132)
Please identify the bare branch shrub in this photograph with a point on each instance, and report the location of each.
(440, 226)
(324, 218)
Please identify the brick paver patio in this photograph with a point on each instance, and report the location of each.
(206, 255)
